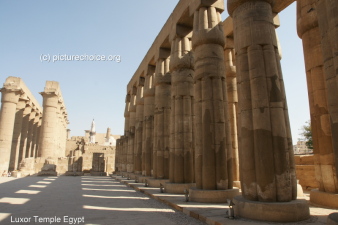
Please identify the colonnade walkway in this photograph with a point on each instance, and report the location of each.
(215, 214)
(81, 200)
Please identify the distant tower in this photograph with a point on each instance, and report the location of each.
(92, 133)
(108, 135)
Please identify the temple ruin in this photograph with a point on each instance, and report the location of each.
(207, 110)
(205, 113)
(32, 138)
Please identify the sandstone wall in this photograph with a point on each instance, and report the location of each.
(305, 171)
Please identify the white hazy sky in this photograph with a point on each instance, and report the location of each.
(126, 28)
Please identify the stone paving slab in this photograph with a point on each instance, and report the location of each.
(214, 214)
(81, 200)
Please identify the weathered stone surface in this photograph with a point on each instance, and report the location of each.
(181, 121)
(309, 32)
(213, 157)
(162, 82)
(212, 196)
(324, 199)
(332, 219)
(296, 210)
(328, 26)
(265, 147)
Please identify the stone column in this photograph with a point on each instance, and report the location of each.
(23, 141)
(181, 123)
(265, 130)
(30, 133)
(265, 149)
(126, 133)
(230, 73)
(35, 133)
(37, 149)
(9, 100)
(125, 153)
(58, 130)
(328, 25)
(308, 31)
(139, 127)
(213, 157)
(118, 155)
(14, 160)
(131, 136)
(68, 134)
(148, 124)
(162, 116)
(47, 143)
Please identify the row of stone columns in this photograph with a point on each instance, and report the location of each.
(177, 117)
(20, 121)
(216, 110)
(26, 131)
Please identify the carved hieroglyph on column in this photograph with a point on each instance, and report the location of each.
(9, 100)
(308, 31)
(148, 122)
(181, 123)
(213, 154)
(162, 116)
(266, 153)
(328, 26)
(131, 136)
(230, 73)
(139, 128)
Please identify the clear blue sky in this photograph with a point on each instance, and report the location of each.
(126, 28)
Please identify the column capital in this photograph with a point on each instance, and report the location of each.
(197, 4)
(10, 95)
(181, 55)
(233, 4)
(307, 19)
(127, 98)
(21, 104)
(50, 99)
(208, 28)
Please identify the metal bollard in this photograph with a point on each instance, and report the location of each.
(161, 188)
(186, 194)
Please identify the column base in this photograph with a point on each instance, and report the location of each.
(212, 196)
(332, 219)
(177, 188)
(293, 211)
(49, 167)
(141, 179)
(28, 167)
(16, 174)
(47, 173)
(152, 182)
(300, 192)
(70, 173)
(324, 199)
(237, 184)
(94, 173)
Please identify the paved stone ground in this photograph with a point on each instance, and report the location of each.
(96, 200)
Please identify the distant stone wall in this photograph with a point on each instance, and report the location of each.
(305, 171)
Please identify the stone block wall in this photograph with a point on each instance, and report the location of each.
(305, 172)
